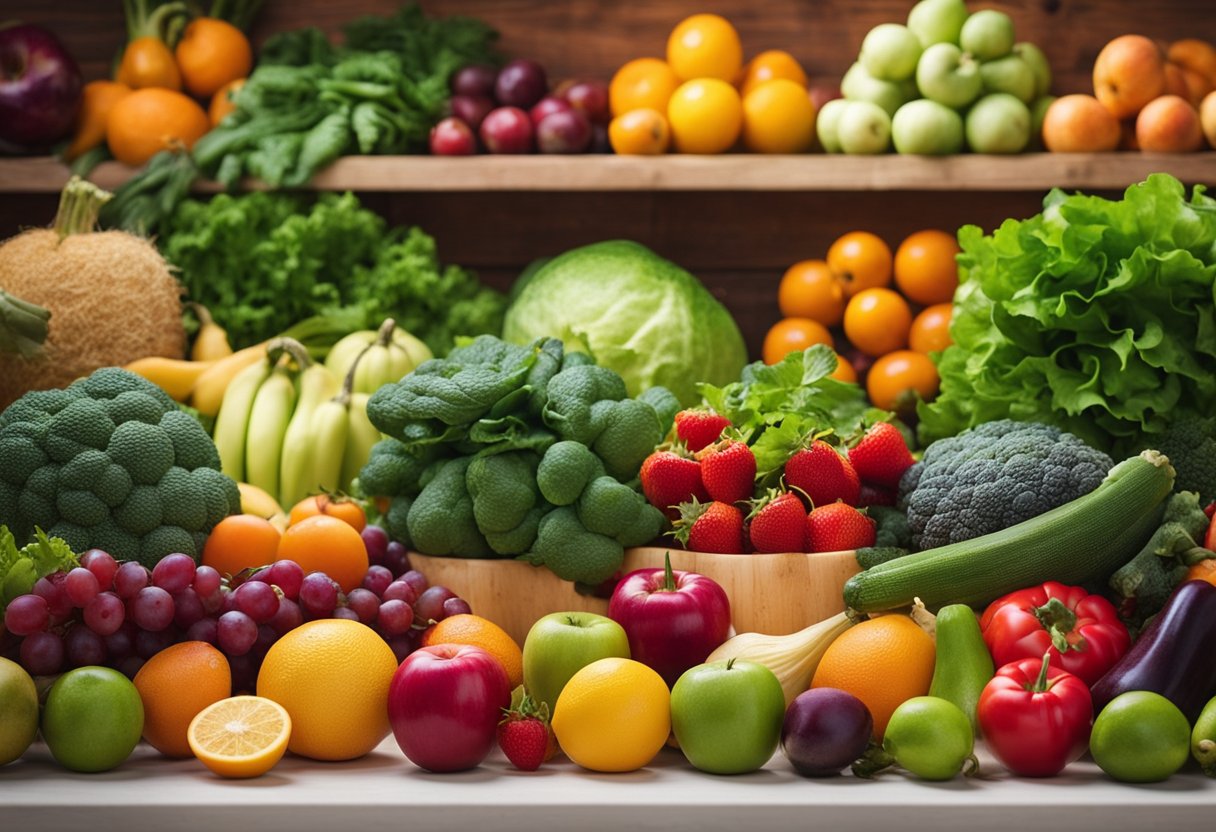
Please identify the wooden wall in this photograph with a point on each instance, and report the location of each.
(738, 243)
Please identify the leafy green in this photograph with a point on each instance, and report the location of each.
(21, 568)
(1095, 315)
(778, 406)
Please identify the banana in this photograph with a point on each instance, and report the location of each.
(211, 341)
(316, 385)
(212, 384)
(330, 425)
(233, 418)
(257, 502)
(268, 420)
(360, 437)
(173, 375)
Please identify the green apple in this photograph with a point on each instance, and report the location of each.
(727, 715)
(1009, 74)
(1038, 112)
(937, 21)
(864, 128)
(1039, 65)
(926, 128)
(859, 85)
(987, 35)
(561, 644)
(890, 52)
(998, 123)
(827, 124)
(947, 75)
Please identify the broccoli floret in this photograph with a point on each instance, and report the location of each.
(1190, 443)
(995, 476)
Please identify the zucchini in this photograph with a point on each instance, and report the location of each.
(1081, 541)
(963, 665)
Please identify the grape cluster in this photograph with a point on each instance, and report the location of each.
(121, 614)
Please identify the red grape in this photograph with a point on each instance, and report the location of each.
(288, 617)
(365, 604)
(287, 575)
(375, 541)
(206, 581)
(266, 637)
(377, 579)
(81, 585)
(187, 608)
(152, 609)
(415, 579)
(395, 618)
(202, 630)
(456, 606)
(58, 603)
(429, 606)
(397, 559)
(235, 633)
(105, 613)
(257, 600)
(129, 666)
(42, 653)
(121, 642)
(130, 578)
(148, 644)
(400, 591)
(402, 646)
(26, 615)
(101, 564)
(173, 573)
(83, 647)
(318, 594)
(345, 612)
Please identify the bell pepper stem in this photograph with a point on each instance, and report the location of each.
(1041, 684)
(1059, 621)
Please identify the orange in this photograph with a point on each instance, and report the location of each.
(773, 63)
(793, 335)
(242, 736)
(898, 375)
(1204, 570)
(861, 260)
(705, 46)
(925, 269)
(241, 541)
(483, 633)
(931, 329)
(343, 508)
(174, 685)
(877, 321)
(778, 117)
(642, 132)
(643, 83)
(884, 662)
(613, 715)
(844, 370)
(808, 289)
(146, 62)
(332, 677)
(223, 103)
(96, 100)
(150, 120)
(326, 544)
(706, 116)
(212, 53)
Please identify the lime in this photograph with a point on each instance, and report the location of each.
(93, 719)
(930, 737)
(1140, 737)
(18, 711)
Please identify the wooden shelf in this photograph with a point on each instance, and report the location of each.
(741, 172)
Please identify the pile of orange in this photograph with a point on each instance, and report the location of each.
(703, 99)
(889, 311)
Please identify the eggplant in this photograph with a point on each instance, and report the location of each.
(1175, 656)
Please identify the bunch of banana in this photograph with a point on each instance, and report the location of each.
(383, 357)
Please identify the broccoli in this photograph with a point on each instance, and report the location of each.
(111, 462)
(995, 476)
(1190, 443)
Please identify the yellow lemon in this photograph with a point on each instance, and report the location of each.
(242, 736)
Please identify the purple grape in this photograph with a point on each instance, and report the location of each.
(213, 602)
(402, 646)
(42, 654)
(207, 581)
(130, 666)
(474, 79)
(257, 600)
(148, 644)
(121, 642)
(400, 591)
(456, 606)
(81, 585)
(173, 573)
(824, 731)
(415, 579)
(26, 615)
(105, 613)
(130, 578)
(152, 609)
(202, 630)
(375, 541)
(345, 612)
(57, 601)
(377, 579)
(429, 606)
(318, 595)
(365, 604)
(83, 647)
(228, 599)
(187, 608)
(287, 575)
(287, 618)
(395, 618)
(397, 559)
(266, 637)
(102, 565)
(235, 633)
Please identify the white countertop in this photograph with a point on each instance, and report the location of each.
(149, 792)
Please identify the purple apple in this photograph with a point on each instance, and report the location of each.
(592, 98)
(472, 109)
(825, 730)
(547, 106)
(40, 87)
(474, 80)
(521, 83)
(566, 131)
(507, 130)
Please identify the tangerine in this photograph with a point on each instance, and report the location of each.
(861, 260)
(770, 64)
(778, 117)
(931, 329)
(480, 632)
(877, 321)
(899, 374)
(241, 541)
(322, 543)
(808, 289)
(643, 83)
(793, 335)
(174, 685)
(925, 268)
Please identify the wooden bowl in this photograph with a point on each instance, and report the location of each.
(776, 594)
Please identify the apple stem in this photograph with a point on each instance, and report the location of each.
(669, 578)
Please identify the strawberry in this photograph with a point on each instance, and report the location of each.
(874, 495)
(710, 527)
(823, 474)
(523, 734)
(670, 478)
(698, 428)
(882, 456)
(837, 528)
(728, 469)
(778, 523)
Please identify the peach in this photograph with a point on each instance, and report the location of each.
(1196, 55)
(1169, 124)
(1079, 124)
(1183, 82)
(1128, 73)
(1207, 118)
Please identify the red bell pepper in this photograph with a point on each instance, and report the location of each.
(1035, 718)
(1082, 632)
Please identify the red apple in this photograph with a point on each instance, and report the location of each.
(673, 620)
(547, 106)
(507, 130)
(563, 132)
(444, 704)
(39, 87)
(592, 98)
(452, 137)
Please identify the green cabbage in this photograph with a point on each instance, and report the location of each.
(635, 313)
(1095, 315)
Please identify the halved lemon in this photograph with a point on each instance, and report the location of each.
(242, 736)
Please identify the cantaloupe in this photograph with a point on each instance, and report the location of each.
(111, 296)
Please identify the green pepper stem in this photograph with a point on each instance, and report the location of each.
(1041, 684)
(1059, 621)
